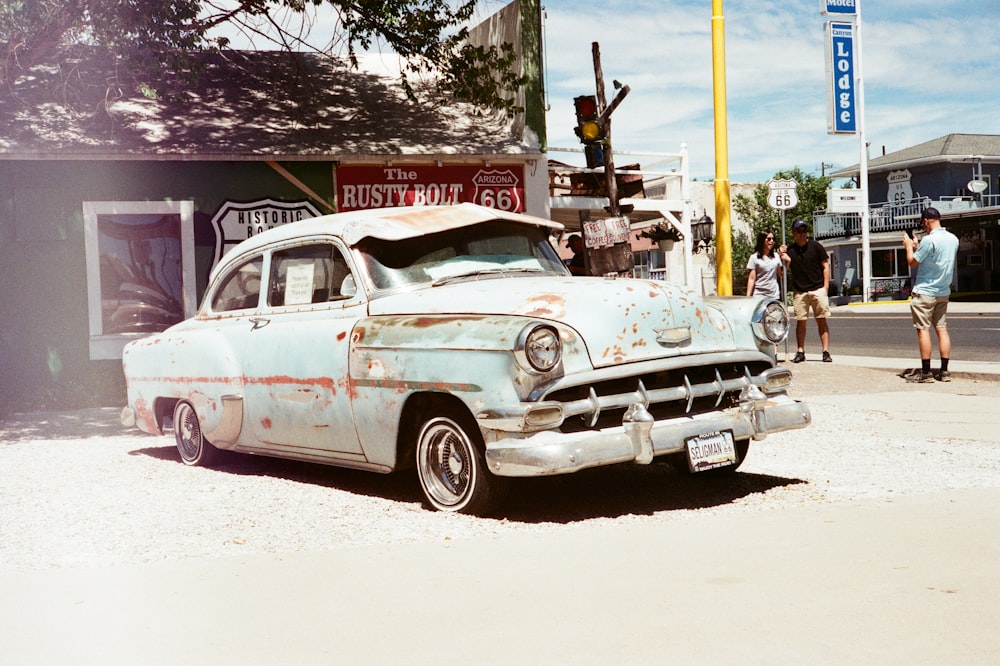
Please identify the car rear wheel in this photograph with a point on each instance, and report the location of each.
(452, 467)
(195, 450)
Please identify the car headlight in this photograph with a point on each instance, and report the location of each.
(539, 348)
(770, 322)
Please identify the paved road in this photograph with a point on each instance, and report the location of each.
(886, 330)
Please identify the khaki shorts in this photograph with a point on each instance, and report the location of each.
(929, 311)
(816, 300)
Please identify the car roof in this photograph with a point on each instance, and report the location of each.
(390, 223)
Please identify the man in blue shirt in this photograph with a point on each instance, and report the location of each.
(934, 259)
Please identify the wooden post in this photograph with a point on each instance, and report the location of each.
(609, 158)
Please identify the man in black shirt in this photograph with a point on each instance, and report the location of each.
(809, 265)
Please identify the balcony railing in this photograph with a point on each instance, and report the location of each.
(894, 217)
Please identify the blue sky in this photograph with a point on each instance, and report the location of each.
(930, 69)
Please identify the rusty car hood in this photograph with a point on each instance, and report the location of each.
(620, 320)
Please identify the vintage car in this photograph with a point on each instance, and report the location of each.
(453, 340)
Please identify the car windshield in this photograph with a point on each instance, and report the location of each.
(492, 249)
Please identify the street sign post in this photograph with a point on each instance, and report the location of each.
(782, 194)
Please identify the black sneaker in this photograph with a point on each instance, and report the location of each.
(827, 358)
(920, 378)
(799, 357)
(944, 376)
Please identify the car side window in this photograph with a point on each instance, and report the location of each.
(240, 290)
(308, 274)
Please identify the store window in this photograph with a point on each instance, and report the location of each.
(889, 263)
(140, 270)
(649, 264)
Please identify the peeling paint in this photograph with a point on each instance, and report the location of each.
(552, 306)
(416, 386)
(300, 396)
(146, 417)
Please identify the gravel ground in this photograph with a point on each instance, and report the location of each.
(78, 490)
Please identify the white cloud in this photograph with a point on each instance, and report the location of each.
(929, 67)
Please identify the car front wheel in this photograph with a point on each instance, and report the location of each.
(452, 468)
(195, 450)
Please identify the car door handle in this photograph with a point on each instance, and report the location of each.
(259, 322)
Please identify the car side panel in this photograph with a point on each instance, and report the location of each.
(393, 358)
(297, 398)
(191, 361)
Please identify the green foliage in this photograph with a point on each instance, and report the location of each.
(153, 37)
(759, 216)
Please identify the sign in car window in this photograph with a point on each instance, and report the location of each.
(361, 187)
(299, 282)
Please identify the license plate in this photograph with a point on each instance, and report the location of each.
(713, 449)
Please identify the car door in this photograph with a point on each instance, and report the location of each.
(297, 398)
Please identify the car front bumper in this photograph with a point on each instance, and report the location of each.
(639, 439)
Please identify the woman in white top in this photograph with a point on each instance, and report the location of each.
(765, 268)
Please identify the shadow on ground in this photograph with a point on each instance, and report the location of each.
(606, 492)
(77, 424)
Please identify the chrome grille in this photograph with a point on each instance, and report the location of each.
(666, 394)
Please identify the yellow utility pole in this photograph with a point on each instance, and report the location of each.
(723, 225)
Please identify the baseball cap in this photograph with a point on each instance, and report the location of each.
(799, 224)
(931, 214)
(569, 241)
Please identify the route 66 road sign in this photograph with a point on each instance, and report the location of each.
(781, 194)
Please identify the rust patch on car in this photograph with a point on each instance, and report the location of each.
(544, 305)
(615, 353)
(265, 423)
(146, 416)
(425, 322)
(279, 380)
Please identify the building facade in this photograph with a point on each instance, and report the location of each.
(115, 203)
(959, 174)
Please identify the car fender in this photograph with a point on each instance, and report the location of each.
(393, 358)
(202, 370)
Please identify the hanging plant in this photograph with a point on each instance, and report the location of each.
(661, 232)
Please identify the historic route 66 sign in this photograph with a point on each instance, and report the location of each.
(781, 194)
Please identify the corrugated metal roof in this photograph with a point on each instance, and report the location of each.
(245, 105)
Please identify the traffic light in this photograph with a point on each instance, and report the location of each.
(587, 126)
(594, 153)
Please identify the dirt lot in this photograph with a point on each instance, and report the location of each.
(86, 491)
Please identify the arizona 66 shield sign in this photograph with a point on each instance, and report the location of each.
(500, 187)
